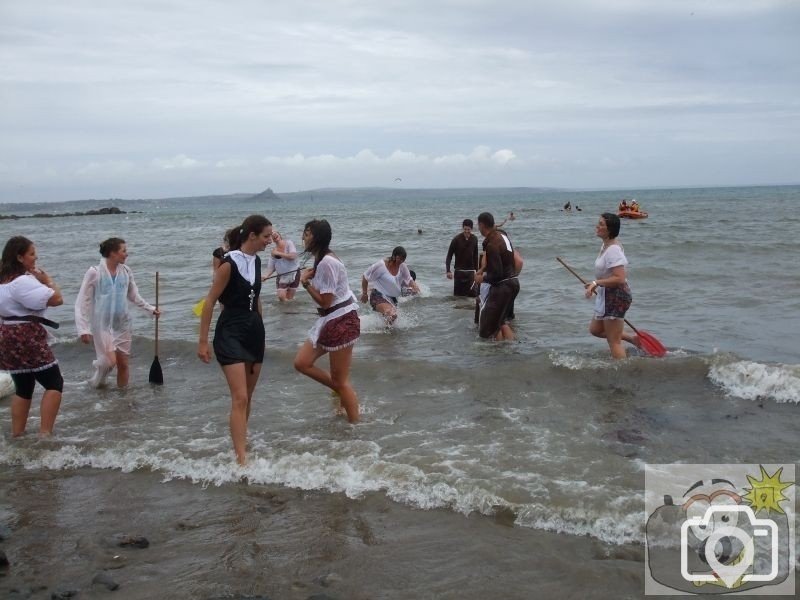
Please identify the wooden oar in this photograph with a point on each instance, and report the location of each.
(156, 376)
(647, 341)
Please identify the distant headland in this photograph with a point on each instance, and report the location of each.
(267, 194)
(111, 210)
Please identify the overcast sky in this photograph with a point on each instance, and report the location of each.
(156, 98)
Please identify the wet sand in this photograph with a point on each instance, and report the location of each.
(61, 529)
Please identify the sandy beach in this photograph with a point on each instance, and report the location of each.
(62, 530)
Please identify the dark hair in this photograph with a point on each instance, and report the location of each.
(253, 224)
(10, 267)
(399, 252)
(321, 244)
(110, 245)
(612, 224)
(413, 274)
(467, 223)
(486, 218)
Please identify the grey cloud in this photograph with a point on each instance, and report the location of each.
(559, 85)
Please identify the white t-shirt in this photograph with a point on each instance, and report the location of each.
(330, 277)
(286, 268)
(23, 296)
(381, 279)
(613, 256)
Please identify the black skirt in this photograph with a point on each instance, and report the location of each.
(239, 337)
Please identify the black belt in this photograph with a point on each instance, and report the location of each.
(324, 312)
(32, 319)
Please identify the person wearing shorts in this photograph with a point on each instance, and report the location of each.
(286, 266)
(611, 287)
(338, 327)
(25, 294)
(384, 282)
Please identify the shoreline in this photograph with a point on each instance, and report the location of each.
(62, 529)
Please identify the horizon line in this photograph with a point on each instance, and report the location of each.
(414, 189)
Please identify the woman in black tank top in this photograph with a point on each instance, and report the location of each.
(239, 334)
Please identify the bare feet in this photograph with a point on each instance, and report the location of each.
(336, 400)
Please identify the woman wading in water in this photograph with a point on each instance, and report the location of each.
(239, 335)
(338, 326)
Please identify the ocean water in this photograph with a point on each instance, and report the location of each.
(547, 429)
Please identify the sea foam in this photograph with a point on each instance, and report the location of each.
(756, 381)
(354, 476)
(6, 384)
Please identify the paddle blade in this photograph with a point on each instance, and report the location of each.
(197, 309)
(650, 344)
(156, 376)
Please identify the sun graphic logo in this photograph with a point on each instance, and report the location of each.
(719, 529)
(767, 493)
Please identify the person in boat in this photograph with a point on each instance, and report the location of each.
(613, 295)
(500, 274)
(385, 281)
(464, 247)
(635, 206)
(338, 327)
(239, 336)
(101, 312)
(25, 294)
(623, 206)
(284, 262)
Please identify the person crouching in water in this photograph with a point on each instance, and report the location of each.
(387, 278)
(101, 312)
(338, 327)
(500, 274)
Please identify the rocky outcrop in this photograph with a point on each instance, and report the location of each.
(111, 210)
(267, 195)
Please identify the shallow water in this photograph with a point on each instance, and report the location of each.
(547, 429)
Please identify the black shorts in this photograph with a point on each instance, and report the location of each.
(49, 378)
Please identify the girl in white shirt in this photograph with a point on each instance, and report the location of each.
(338, 327)
(387, 278)
(611, 286)
(25, 293)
